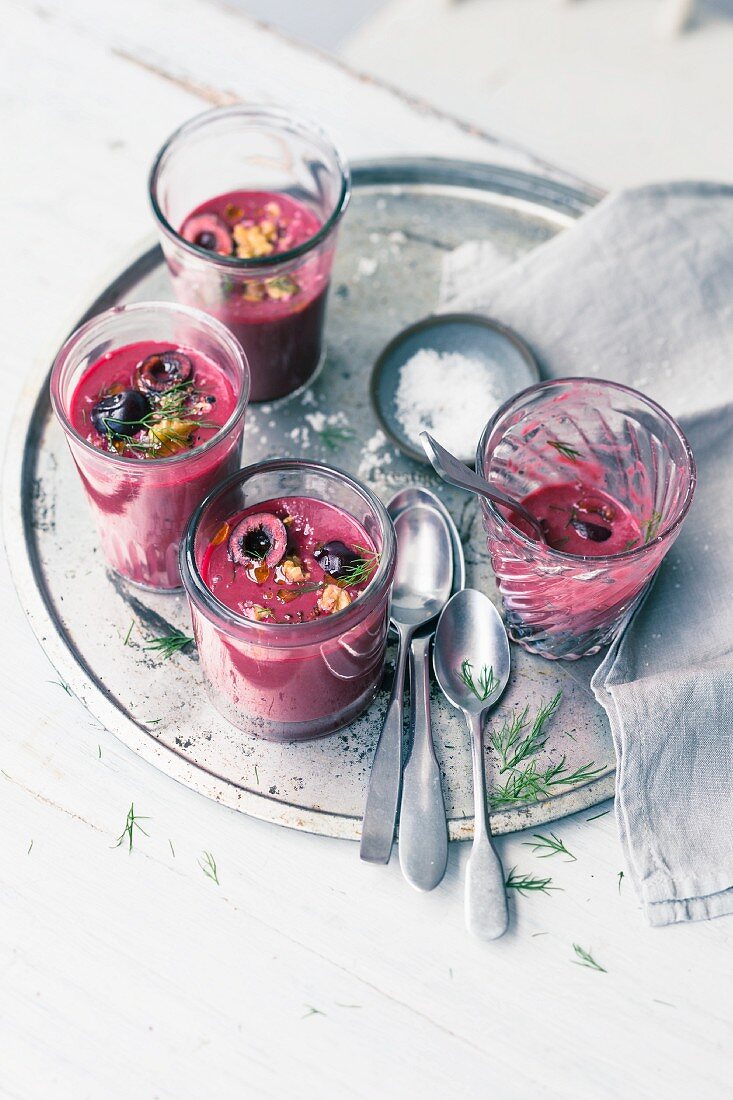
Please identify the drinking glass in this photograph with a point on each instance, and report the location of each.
(604, 436)
(260, 149)
(290, 681)
(141, 506)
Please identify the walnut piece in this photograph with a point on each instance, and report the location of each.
(292, 570)
(333, 598)
(252, 241)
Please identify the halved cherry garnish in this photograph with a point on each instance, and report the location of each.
(260, 538)
(162, 371)
(120, 414)
(594, 532)
(208, 231)
(335, 557)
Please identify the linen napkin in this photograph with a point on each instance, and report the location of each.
(640, 290)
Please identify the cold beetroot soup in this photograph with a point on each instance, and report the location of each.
(278, 318)
(289, 595)
(152, 399)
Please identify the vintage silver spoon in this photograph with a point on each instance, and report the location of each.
(471, 648)
(455, 472)
(422, 584)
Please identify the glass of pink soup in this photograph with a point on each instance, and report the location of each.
(288, 569)
(248, 201)
(611, 476)
(152, 398)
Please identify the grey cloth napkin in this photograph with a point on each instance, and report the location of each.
(641, 291)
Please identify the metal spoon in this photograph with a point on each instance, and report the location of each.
(455, 472)
(422, 584)
(423, 835)
(470, 630)
(416, 494)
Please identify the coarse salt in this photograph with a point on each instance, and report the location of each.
(449, 395)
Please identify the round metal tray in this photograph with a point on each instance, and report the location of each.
(404, 218)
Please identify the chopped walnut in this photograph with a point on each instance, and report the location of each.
(256, 612)
(252, 241)
(253, 290)
(333, 598)
(292, 570)
(282, 288)
(172, 436)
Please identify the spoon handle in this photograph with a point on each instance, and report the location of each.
(383, 795)
(455, 472)
(423, 840)
(487, 916)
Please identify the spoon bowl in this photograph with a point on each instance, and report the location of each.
(471, 660)
(470, 630)
(424, 573)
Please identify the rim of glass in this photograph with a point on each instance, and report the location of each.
(196, 588)
(216, 327)
(262, 113)
(661, 412)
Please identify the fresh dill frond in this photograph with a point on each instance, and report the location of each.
(524, 884)
(168, 644)
(132, 822)
(487, 683)
(620, 880)
(529, 783)
(312, 1012)
(596, 816)
(584, 958)
(129, 632)
(651, 526)
(361, 569)
(564, 449)
(512, 749)
(546, 846)
(332, 437)
(62, 684)
(208, 865)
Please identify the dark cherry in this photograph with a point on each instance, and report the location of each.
(118, 414)
(208, 231)
(335, 558)
(163, 370)
(260, 537)
(592, 531)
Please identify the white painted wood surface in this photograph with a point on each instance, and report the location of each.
(133, 975)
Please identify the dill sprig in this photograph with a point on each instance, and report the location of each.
(332, 437)
(584, 958)
(529, 783)
(651, 526)
(564, 449)
(132, 822)
(361, 569)
(168, 644)
(486, 684)
(546, 846)
(208, 865)
(129, 632)
(523, 884)
(176, 403)
(508, 742)
(620, 880)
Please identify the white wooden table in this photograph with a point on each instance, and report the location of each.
(303, 973)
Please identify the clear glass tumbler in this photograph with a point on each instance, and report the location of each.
(141, 506)
(605, 436)
(290, 681)
(274, 304)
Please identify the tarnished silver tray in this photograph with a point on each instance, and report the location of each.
(405, 217)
